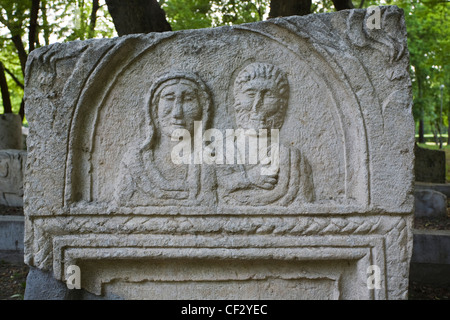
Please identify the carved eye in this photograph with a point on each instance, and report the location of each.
(169, 97)
(250, 93)
(269, 94)
(189, 97)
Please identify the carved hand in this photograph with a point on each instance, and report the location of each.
(259, 180)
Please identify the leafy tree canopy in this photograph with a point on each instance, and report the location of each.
(427, 21)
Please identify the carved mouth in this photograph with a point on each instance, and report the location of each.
(256, 124)
(178, 124)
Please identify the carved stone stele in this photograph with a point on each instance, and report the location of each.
(137, 174)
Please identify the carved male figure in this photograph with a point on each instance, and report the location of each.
(261, 95)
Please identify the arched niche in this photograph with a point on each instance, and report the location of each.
(109, 113)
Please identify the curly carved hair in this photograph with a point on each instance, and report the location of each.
(260, 70)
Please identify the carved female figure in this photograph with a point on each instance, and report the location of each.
(148, 175)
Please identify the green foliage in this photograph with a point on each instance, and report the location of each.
(322, 6)
(70, 20)
(11, 62)
(58, 21)
(14, 15)
(428, 26)
(187, 14)
(229, 12)
(195, 14)
(427, 22)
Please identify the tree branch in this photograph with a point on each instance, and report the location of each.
(22, 109)
(17, 40)
(45, 25)
(32, 32)
(93, 20)
(17, 81)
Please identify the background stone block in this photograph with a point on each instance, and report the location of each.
(430, 165)
(10, 131)
(430, 204)
(12, 168)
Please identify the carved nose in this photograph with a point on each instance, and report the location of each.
(257, 106)
(257, 102)
(177, 111)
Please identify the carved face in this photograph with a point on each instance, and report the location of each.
(259, 105)
(179, 106)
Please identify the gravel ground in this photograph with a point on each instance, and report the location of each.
(434, 223)
(12, 280)
(13, 272)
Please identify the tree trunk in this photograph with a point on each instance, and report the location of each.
(20, 51)
(448, 129)
(32, 32)
(137, 16)
(7, 108)
(93, 19)
(17, 81)
(284, 8)
(421, 106)
(45, 25)
(439, 127)
(343, 4)
(421, 131)
(435, 134)
(22, 109)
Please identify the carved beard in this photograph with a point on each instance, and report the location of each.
(244, 121)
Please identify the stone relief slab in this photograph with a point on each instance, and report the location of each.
(279, 130)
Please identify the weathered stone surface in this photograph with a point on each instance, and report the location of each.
(332, 199)
(12, 168)
(430, 204)
(429, 165)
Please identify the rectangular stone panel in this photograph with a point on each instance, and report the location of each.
(221, 143)
(266, 280)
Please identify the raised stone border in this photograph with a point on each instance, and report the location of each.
(430, 261)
